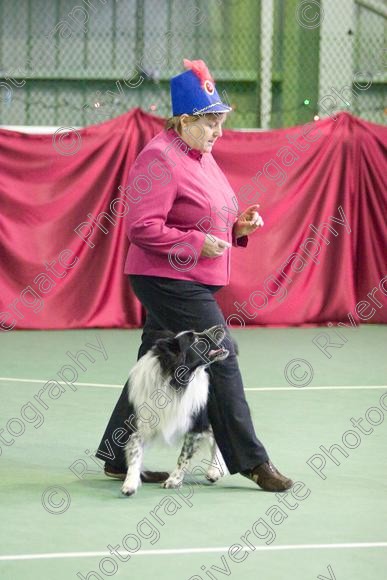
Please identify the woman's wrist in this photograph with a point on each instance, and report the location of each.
(238, 240)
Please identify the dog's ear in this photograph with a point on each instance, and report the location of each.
(185, 342)
(168, 351)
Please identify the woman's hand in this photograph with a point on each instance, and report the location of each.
(214, 247)
(248, 222)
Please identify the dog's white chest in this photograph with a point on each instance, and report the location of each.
(160, 409)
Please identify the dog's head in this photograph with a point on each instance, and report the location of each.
(182, 354)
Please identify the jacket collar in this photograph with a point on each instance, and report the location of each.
(194, 153)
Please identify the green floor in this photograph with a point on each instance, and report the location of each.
(339, 531)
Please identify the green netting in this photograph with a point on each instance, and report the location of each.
(279, 63)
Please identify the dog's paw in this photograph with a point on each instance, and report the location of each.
(213, 475)
(128, 490)
(171, 483)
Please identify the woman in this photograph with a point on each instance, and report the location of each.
(181, 226)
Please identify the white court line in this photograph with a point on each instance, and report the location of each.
(319, 388)
(113, 386)
(177, 551)
(40, 381)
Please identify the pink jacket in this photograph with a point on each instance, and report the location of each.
(177, 195)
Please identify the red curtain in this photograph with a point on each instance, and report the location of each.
(60, 270)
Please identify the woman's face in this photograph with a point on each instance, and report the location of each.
(203, 132)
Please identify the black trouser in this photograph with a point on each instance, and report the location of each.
(182, 305)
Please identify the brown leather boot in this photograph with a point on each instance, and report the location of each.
(113, 472)
(268, 477)
(146, 476)
(154, 476)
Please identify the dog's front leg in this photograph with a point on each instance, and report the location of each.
(190, 446)
(134, 452)
(217, 467)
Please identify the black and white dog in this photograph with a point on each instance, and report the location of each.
(172, 376)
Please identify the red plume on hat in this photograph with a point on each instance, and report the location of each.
(199, 68)
(193, 92)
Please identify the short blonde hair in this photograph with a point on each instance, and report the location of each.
(175, 121)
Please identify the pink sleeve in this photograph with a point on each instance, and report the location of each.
(145, 222)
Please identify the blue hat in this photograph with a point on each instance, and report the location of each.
(193, 92)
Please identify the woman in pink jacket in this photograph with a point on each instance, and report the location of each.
(181, 225)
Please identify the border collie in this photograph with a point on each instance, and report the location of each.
(172, 376)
